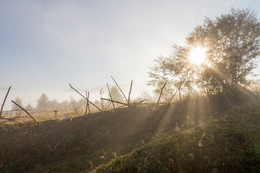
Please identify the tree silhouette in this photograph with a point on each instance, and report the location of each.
(43, 102)
(232, 43)
(18, 101)
(116, 95)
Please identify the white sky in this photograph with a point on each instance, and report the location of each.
(45, 45)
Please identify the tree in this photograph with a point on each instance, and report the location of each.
(176, 70)
(232, 43)
(42, 102)
(233, 47)
(29, 107)
(116, 95)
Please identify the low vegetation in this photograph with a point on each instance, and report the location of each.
(83, 143)
(230, 143)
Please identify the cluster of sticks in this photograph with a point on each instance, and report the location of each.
(14, 118)
(111, 100)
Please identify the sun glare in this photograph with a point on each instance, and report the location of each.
(197, 55)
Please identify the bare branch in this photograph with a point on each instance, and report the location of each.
(2, 107)
(85, 97)
(180, 84)
(161, 93)
(114, 101)
(119, 89)
(110, 95)
(25, 111)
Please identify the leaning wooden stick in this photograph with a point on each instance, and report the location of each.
(161, 93)
(110, 95)
(86, 104)
(128, 100)
(119, 88)
(25, 111)
(85, 97)
(114, 101)
(2, 107)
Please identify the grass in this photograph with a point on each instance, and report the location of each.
(83, 143)
(230, 143)
(71, 144)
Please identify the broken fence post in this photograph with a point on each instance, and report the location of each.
(2, 107)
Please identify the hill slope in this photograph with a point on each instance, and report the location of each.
(83, 143)
(230, 143)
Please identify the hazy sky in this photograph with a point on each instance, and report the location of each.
(44, 45)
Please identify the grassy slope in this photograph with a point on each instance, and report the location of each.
(82, 143)
(228, 144)
(70, 145)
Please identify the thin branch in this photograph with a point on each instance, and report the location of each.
(110, 95)
(161, 93)
(128, 100)
(180, 85)
(108, 106)
(85, 97)
(2, 107)
(114, 101)
(119, 89)
(25, 111)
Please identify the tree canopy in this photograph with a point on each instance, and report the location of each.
(232, 47)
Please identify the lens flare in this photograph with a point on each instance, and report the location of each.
(197, 55)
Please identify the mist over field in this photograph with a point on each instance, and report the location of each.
(130, 86)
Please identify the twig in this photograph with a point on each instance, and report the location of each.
(2, 107)
(119, 89)
(114, 101)
(85, 97)
(108, 106)
(110, 95)
(25, 111)
(180, 85)
(130, 92)
(161, 93)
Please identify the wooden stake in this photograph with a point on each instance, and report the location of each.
(88, 103)
(2, 107)
(85, 97)
(128, 100)
(114, 101)
(119, 89)
(25, 111)
(110, 95)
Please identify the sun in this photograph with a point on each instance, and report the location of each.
(197, 55)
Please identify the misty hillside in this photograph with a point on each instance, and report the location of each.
(83, 143)
(230, 143)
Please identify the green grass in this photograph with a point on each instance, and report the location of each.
(103, 141)
(230, 143)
